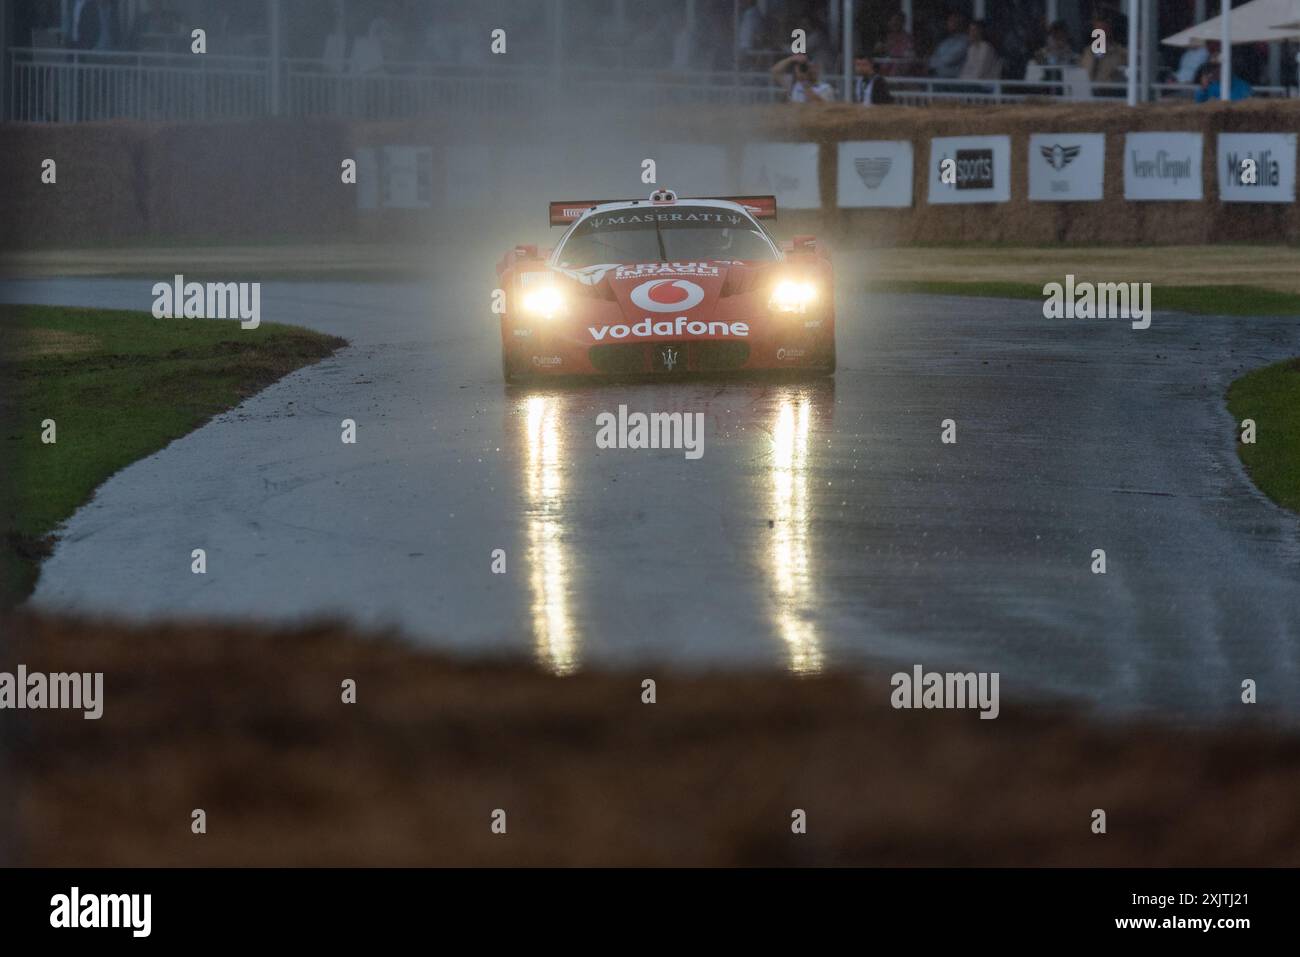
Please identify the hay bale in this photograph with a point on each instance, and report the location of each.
(96, 197)
(263, 179)
(279, 178)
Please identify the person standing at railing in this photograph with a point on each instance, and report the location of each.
(869, 87)
(751, 37)
(802, 80)
(1190, 63)
(982, 60)
(1208, 80)
(820, 49)
(1056, 51)
(89, 26)
(897, 48)
(1107, 67)
(950, 55)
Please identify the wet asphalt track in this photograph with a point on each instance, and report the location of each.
(825, 523)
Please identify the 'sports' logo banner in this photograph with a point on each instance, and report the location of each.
(980, 169)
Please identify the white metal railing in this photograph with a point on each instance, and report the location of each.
(377, 95)
(71, 86)
(921, 91)
(314, 88)
(56, 85)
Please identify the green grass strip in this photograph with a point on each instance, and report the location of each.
(119, 386)
(1271, 396)
(1205, 300)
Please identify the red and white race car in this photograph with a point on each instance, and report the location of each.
(666, 286)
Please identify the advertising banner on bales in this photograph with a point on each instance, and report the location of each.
(970, 169)
(875, 173)
(787, 170)
(1162, 166)
(1066, 167)
(1257, 167)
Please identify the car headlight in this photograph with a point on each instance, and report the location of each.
(793, 295)
(544, 302)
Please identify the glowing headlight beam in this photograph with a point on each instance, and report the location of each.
(544, 301)
(793, 295)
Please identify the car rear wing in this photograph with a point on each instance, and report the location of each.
(566, 211)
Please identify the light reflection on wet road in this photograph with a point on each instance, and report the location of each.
(566, 583)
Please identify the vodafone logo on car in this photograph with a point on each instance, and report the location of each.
(667, 295)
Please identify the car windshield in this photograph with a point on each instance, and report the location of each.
(661, 234)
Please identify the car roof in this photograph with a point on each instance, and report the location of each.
(646, 204)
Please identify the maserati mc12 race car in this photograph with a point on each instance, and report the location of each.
(666, 286)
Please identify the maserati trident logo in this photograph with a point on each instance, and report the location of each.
(670, 358)
(1059, 157)
(872, 170)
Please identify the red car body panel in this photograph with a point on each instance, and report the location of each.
(668, 317)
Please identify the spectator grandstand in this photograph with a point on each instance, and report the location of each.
(70, 60)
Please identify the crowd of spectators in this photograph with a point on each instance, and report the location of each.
(751, 36)
(966, 50)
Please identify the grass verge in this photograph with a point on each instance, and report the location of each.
(1205, 300)
(1271, 396)
(118, 385)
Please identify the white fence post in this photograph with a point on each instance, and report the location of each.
(276, 59)
(4, 63)
(848, 50)
(1133, 52)
(1225, 53)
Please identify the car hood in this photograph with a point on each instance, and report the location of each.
(668, 290)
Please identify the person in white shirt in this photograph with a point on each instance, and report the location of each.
(982, 60)
(1190, 63)
(802, 80)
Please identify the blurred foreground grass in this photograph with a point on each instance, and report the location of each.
(248, 723)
